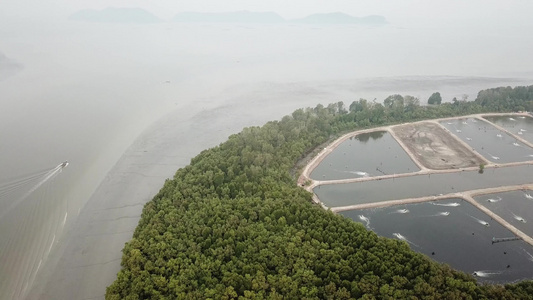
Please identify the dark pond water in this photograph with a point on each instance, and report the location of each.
(494, 144)
(421, 185)
(519, 125)
(368, 154)
(515, 207)
(453, 232)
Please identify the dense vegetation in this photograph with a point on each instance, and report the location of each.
(234, 223)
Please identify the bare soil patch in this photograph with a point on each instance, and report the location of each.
(434, 147)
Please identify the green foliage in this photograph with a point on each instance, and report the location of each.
(435, 98)
(234, 224)
(519, 98)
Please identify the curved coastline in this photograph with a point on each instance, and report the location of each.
(87, 259)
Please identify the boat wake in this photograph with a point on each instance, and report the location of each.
(22, 188)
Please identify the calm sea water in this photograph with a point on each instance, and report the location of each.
(86, 92)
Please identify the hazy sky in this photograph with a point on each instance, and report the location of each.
(517, 12)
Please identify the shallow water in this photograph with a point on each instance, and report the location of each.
(454, 235)
(365, 155)
(420, 185)
(492, 143)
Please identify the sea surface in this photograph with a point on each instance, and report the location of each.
(127, 104)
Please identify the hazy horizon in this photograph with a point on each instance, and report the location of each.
(84, 92)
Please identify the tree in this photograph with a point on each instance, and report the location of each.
(435, 98)
(393, 100)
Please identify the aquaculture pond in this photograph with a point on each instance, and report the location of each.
(492, 143)
(367, 154)
(333, 195)
(520, 125)
(515, 207)
(454, 232)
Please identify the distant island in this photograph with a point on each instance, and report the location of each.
(272, 17)
(229, 17)
(115, 15)
(341, 18)
(139, 15)
(8, 66)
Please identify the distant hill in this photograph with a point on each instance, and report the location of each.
(229, 17)
(8, 67)
(272, 17)
(115, 15)
(341, 18)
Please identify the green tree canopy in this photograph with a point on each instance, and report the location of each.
(435, 98)
(234, 224)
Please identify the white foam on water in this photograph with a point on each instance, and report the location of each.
(360, 173)
(452, 204)
(492, 200)
(365, 219)
(485, 274)
(519, 218)
(403, 238)
(512, 119)
(493, 157)
(484, 223)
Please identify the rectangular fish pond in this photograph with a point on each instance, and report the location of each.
(344, 194)
(456, 233)
(515, 207)
(520, 125)
(495, 145)
(365, 155)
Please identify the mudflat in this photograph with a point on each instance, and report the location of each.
(435, 147)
